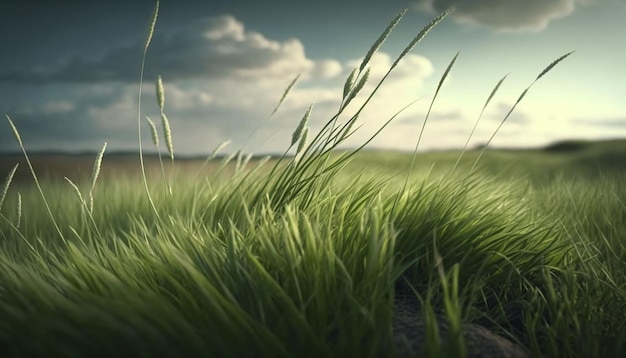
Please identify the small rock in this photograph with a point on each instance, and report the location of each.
(409, 330)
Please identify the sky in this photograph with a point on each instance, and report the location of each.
(69, 72)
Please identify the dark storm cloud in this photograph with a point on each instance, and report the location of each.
(67, 118)
(507, 15)
(207, 48)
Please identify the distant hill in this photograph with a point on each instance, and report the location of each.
(574, 156)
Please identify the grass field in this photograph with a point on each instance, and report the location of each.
(303, 255)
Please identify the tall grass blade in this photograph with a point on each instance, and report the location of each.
(482, 111)
(238, 159)
(303, 140)
(441, 81)
(153, 132)
(359, 86)
(155, 141)
(519, 99)
(153, 19)
(218, 148)
(97, 166)
(160, 93)
(211, 156)
(280, 102)
(419, 138)
(381, 39)
(76, 190)
(554, 63)
(287, 90)
(18, 211)
(32, 171)
(167, 135)
(347, 86)
(302, 144)
(94, 175)
(421, 35)
(295, 136)
(7, 183)
(151, 27)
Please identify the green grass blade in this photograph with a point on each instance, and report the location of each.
(7, 183)
(32, 171)
(425, 30)
(143, 63)
(381, 39)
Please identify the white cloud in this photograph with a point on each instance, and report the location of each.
(221, 82)
(326, 69)
(505, 15)
(209, 48)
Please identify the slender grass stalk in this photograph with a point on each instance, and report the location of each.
(303, 141)
(347, 86)
(493, 92)
(7, 183)
(381, 39)
(32, 171)
(86, 210)
(160, 93)
(278, 105)
(297, 133)
(83, 203)
(167, 135)
(310, 166)
(211, 156)
(18, 211)
(94, 175)
(519, 99)
(419, 138)
(143, 63)
(238, 160)
(167, 132)
(155, 141)
(285, 93)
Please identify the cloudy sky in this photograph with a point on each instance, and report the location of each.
(69, 71)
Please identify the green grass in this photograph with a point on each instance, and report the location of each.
(303, 257)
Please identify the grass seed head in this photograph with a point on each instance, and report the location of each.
(153, 20)
(554, 63)
(381, 39)
(15, 132)
(219, 148)
(7, 183)
(303, 140)
(359, 86)
(160, 93)
(153, 131)
(421, 34)
(96, 166)
(76, 190)
(18, 213)
(295, 137)
(287, 90)
(349, 82)
(167, 134)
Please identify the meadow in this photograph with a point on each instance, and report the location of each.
(302, 254)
